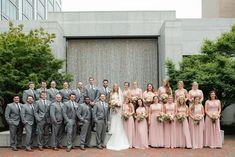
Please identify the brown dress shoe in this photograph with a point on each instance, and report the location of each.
(99, 147)
(68, 149)
(40, 148)
(14, 149)
(56, 149)
(82, 148)
(29, 150)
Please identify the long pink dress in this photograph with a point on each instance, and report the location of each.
(212, 136)
(141, 132)
(156, 129)
(169, 128)
(183, 138)
(196, 130)
(129, 125)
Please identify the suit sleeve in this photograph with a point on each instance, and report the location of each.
(22, 114)
(7, 114)
(24, 98)
(52, 113)
(78, 113)
(36, 108)
(65, 113)
(95, 108)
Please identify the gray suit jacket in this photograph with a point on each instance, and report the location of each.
(56, 113)
(28, 92)
(42, 111)
(107, 93)
(27, 114)
(100, 112)
(52, 93)
(93, 93)
(13, 114)
(38, 92)
(65, 94)
(69, 112)
(84, 113)
(79, 95)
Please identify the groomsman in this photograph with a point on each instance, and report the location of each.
(65, 92)
(84, 114)
(13, 118)
(28, 92)
(105, 90)
(52, 91)
(27, 116)
(70, 117)
(91, 91)
(42, 88)
(100, 115)
(56, 114)
(42, 115)
(79, 92)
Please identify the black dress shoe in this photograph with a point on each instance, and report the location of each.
(61, 147)
(14, 149)
(19, 147)
(68, 149)
(46, 147)
(56, 149)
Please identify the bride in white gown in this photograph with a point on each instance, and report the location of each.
(118, 139)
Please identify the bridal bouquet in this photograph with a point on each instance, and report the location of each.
(134, 99)
(181, 116)
(113, 105)
(197, 118)
(214, 117)
(141, 116)
(169, 117)
(164, 98)
(126, 116)
(160, 117)
(148, 101)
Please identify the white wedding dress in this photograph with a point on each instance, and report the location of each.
(118, 139)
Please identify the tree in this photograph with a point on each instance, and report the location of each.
(213, 69)
(26, 57)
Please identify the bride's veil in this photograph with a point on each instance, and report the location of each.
(120, 95)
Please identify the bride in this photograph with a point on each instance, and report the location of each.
(118, 139)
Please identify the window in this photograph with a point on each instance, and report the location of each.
(57, 7)
(27, 9)
(41, 9)
(50, 6)
(9, 9)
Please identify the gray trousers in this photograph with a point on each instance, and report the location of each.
(16, 132)
(71, 130)
(43, 133)
(29, 135)
(85, 134)
(57, 134)
(100, 132)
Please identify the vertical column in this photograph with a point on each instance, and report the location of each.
(46, 9)
(35, 9)
(20, 10)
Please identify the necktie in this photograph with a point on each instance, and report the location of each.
(18, 107)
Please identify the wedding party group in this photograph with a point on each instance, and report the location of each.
(133, 118)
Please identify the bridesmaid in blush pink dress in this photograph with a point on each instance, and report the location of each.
(183, 138)
(169, 127)
(196, 127)
(148, 95)
(164, 89)
(129, 125)
(156, 130)
(141, 132)
(212, 134)
(136, 93)
(126, 92)
(181, 91)
(195, 92)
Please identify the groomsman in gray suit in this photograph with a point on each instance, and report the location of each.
(65, 92)
(105, 90)
(70, 117)
(56, 114)
(84, 114)
(42, 88)
(13, 118)
(79, 92)
(27, 116)
(42, 115)
(52, 91)
(91, 91)
(28, 92)
(100, 115)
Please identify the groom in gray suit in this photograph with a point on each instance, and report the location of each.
(105, 90)
(27, 116)
(100, 112)
(84, 114)
(42, 115)
(13, 118)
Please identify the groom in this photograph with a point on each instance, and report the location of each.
(100, 110)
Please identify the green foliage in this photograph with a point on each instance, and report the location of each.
(214, 68)
(27, 57)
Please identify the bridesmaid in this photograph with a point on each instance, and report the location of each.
(129, 125)
(148, 95)
(196, 129)
(156, 138)
(165, 88)
(141, 132)
(181, 91)
(169, 127)
(136, 93)
(212, 127)
(195, 92)
(126, 92)
(183, 138)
